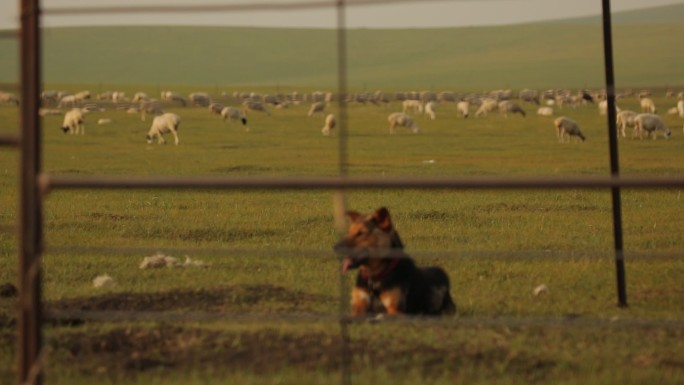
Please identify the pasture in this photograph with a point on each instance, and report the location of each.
(265, 311)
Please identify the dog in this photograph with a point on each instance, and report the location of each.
(388, 280)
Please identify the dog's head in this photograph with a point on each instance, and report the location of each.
(368, 238)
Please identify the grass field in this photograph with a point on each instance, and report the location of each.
(265, 312)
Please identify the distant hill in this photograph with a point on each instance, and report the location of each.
(663, 14)
(566, 53)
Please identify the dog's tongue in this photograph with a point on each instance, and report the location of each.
(346, 263)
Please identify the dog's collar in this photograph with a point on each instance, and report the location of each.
(386, 271)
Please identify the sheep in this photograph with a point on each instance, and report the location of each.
(107, 95)
(49, 98)
(119, 97)
(140, 97)
(200, 99)
(625, 119)
(254, 106)
(330, 123)
(566, 128)
(529, 96)
(446, 96)
(603, 107)
(415, 105)
(647, 105)
(215, 108)
(680, 108)
(67, 100)
(173, 97)
(317, 107)
(163, 124)
(231, 113)
(400, 119)
(149, 107)
(73, 122)
(102, 121)
(545, 111)
(49, 111)
(81, 96)
(430, 109)
(506, 107)
(6, 97)
(649, 123)
(488, 105)
(462, 108)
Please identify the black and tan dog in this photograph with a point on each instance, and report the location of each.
(388, 280)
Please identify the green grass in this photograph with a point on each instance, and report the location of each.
(271, 253)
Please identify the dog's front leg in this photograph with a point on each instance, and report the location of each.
(360, 301)
(391, 300)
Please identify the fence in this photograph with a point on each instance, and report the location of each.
(35, 183)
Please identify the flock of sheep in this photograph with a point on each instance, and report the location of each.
(426, 103)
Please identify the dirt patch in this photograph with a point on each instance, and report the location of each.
(135, 349)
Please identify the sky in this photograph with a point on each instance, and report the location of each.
(390, 14)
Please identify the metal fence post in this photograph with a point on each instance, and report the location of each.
(614, 161)
(29, 338)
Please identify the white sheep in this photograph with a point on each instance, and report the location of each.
(400, 119)
(103, 121)
(430, 109)
(317, 107)
(140, 97)
(73, 122)
(488, 105)
(415, 105)
(567, 127)
(67, 100)
(462, 107)
(624, 119)
(330, 123)
(506, 107)
(647, 105)
(6, 97)
(231, 113)
(81, 96)
(680, 108)
(545, 111)
(119, 97)
(603, 107)
(254, 105)
(649, 123)
(163, 124)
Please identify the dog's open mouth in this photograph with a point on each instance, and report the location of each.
(352, 258)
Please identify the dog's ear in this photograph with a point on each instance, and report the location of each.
(353, 215)
(382, 218)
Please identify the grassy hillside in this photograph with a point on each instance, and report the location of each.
(532, 55)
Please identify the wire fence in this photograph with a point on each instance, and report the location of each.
(35, 185)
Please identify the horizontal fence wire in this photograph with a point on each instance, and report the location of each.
(9, 140)
(418, 254)
(48, 182)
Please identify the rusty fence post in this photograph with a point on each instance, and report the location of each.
(29, 338)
